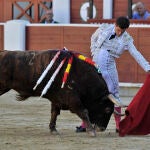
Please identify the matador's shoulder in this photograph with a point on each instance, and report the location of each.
(105, 26)
(127, 37)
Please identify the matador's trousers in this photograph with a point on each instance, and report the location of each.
(107, 66)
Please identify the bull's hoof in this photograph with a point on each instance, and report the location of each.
(101, 129)
(54, 132)
(91, 133)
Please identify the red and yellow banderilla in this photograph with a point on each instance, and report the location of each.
(86, 59)
(66, 73)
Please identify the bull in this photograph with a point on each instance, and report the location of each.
(85, 92)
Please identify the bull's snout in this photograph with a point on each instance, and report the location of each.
(99, 128)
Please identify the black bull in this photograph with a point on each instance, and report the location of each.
(84, 93)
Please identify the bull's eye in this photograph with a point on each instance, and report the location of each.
(72, 82)
(107, 110)
(70, 87)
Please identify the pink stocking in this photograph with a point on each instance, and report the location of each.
(83, 125)
(117, 117)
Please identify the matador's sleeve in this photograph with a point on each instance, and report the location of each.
(98, 38)
(138, 57)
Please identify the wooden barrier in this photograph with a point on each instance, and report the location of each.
(77, 37)
(73, 37)
(132, 21)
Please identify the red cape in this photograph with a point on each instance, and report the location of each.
(137, 119)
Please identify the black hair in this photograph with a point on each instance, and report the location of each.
(123, 22)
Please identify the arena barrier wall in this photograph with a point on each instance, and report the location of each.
(76, 37)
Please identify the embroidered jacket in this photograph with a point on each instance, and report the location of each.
(116, 46)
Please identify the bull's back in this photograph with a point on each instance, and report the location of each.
(21, 68)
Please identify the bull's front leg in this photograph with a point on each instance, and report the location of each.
(85, 118)
(55, 111)
(79, 109)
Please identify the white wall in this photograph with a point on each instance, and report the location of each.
(61, 10)
(15, 35)
(107, 9)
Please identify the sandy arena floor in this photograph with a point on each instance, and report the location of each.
(24, 126)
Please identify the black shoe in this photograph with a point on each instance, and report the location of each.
(80, 129)
(117, 130)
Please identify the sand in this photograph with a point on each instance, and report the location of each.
(24, 126)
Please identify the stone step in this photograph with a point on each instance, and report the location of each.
(128, 91)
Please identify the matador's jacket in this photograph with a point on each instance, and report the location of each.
(117, 46)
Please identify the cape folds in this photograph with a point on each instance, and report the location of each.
(137, 120)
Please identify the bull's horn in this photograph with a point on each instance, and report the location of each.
(117, 113)
(111, 97)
